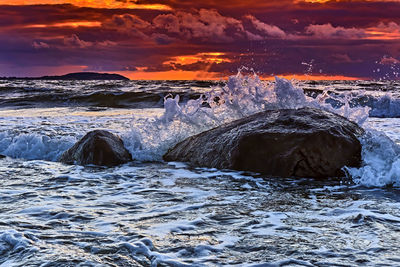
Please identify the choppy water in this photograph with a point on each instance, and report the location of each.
(145, 213)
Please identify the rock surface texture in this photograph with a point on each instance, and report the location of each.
(99, 148)
(304, 142)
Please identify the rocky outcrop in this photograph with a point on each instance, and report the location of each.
(76, 76)
(98, 147)
(303, 142)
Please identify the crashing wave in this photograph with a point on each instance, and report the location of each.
(242, 96)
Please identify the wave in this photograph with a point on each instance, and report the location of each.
(34, 146)
(242, 95)
(245, 95)
(381, 97)
(381, 161)
(116, 99)
(16, 243)
(134, 94)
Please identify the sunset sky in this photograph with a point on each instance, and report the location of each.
(209, 39)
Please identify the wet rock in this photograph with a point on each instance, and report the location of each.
(2, 156)
(98, 147)
(305, 142)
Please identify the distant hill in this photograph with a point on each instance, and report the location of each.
(75, 76)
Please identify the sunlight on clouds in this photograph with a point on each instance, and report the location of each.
(326, 1)
(389, 31)
(72, 24)
(313, 1)
(379, 35)
(112, 4)
(214, 57)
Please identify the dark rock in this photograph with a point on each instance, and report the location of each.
(99, 148)
(305, 142)
(2, 156)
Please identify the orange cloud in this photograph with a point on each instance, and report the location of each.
(382, 31)
(326, 1)
(72, 24)
(312, 1)
(111, 4)
(215, 57)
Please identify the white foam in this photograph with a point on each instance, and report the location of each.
(381, 161)
(34, 146)
(386, 106)
(243, 95)
(154, 131)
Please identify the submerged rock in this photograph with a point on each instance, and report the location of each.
(98, 147)
(304, 142)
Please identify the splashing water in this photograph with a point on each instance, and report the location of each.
(381, 161)
(242, 96)
(148, 137)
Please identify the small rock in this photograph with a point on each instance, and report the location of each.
(98, 147)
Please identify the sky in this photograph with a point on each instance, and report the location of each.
(209, 39)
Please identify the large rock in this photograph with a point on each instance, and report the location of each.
(305, 142)
(99, 148)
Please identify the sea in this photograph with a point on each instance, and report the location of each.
(154, 213)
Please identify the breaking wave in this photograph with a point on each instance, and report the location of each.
(149, 137)
(242, 96)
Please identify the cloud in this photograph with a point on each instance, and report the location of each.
(267, 29)
(329, 31)
(128, 24)
(40, 45)
(206, 25)
(333, 33)
(74, 41)
(384, 31)
(253, 37)
(162, 39)
(389, 61)
(343, 58)
(94, 4)
(169, 22)
(389, 27)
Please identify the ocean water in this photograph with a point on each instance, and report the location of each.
(152, 213)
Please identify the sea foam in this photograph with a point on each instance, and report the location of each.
(381, 161)
(34, 146)
(242, 96)
(149, 137)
